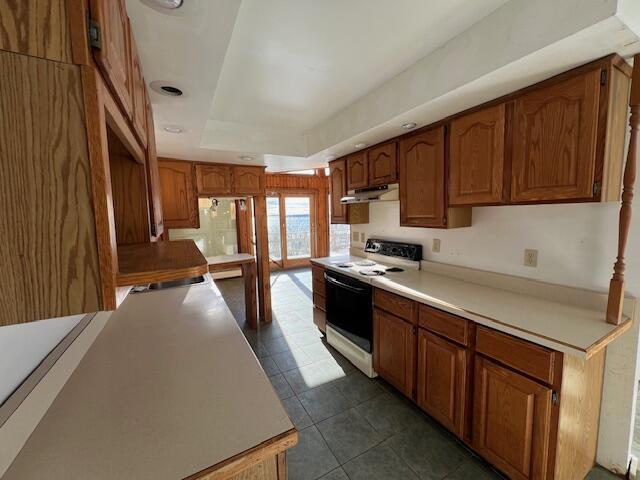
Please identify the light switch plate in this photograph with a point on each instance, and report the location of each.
(435, 246)
(530, 258)
(355, 236)
(361, 237)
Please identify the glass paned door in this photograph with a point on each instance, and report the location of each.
(298, 227)
(274, 228)
(291, 224)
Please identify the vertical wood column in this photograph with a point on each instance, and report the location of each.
(244, 228)
(249, 276)
(262, 259)
(323, 216)
(616, 286)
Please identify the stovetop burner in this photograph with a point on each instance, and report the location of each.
(365, 263)
(395, 269)
(372, 273)
(345, 265)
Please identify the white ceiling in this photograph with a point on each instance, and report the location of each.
(291, 82)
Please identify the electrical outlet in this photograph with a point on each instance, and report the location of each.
(530, 258)
(435, 246)
(361, 237)
(355, 236)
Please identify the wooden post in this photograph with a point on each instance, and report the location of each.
(262, 259)
(616, 286)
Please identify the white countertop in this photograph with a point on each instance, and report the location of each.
(561, 326)
(169, 388)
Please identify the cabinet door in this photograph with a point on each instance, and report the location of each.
(179, 199)
(113, 55)
(476, 157)
(139, 96)
(422, 189)
(383, 167)
(554, 141)
(153, 175)
(213, 179)
(442, 372)
(394, 350)
(338, 184)
(248, 180)
(357, 171)
(512, 417)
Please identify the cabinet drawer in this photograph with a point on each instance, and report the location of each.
(317, 273)
(534, 360)
(319, 301)
(319, 287)
(399, 306)
(449, 326)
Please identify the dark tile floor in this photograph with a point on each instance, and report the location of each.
(351, 427)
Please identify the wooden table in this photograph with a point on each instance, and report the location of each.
(246, 263)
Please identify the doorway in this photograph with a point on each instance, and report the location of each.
(291, 222)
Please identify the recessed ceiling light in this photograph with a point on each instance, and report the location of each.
(409, 126)
(169, 4)
(360, 145)
(246, 158)
(172, 129)
(165, 88)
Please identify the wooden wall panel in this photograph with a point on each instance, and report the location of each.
(49, 255)
(39, 28)
(262, 259)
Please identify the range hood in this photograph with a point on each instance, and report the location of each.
(372, 194)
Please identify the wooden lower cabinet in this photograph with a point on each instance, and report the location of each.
(512, 420)
(394, 351)
(441, 383)
(319, 297)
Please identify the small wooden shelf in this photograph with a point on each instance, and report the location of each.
(157, 262)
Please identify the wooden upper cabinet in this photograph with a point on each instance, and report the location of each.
(139, 96)
(338, 187)
(179, 199)
(476, 157)
(357, 171)
(394, 350)
(213, 179)
(512, 421)
(113, 54)
(153, 176)
(248, 180)
(422, 179)
(554, 141)
(383, 168)
(442, 373)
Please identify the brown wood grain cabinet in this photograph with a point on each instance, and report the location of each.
(338, 189)
(394, 350)
(138, 95)
(512, 421)
(383, 164)
(153, 177)
(213, 179)
(423, 200)
(476, 157)
(179, 198)
(357, 171)
(248, 180)
(442, 380)
(319, 296)
(113, 56)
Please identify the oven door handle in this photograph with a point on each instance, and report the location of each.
(344, 285)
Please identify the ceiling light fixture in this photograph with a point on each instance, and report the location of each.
(214, 206)
(243, 205)
(172, 129)
(168, 4)
(246, 158)
(360, 145)
(409, 126)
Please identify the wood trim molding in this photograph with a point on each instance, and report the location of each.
(616, 286)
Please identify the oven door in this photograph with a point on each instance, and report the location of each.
(349, 308)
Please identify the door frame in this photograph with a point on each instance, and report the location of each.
(281, 193)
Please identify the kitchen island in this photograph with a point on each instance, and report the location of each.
(170, 389)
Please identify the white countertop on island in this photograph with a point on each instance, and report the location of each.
(169, 388)
(568, 326)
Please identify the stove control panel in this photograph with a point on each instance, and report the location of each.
(408, 251)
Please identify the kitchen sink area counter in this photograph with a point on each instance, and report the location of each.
(170, 389)
(566, 319)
